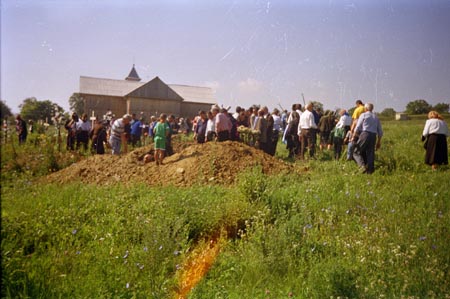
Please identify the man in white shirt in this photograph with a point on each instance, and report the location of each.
(83, 127)
(308, 131)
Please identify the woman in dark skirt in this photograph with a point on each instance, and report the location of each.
(435, 133)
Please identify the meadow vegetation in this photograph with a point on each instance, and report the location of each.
(328, 232)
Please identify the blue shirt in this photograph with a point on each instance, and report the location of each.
(368, 122)
(136, 128)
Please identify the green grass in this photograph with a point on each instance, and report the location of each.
(328, 233)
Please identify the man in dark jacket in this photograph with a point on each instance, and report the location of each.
(21, 128)
(200, 129)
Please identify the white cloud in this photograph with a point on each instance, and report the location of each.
(250, 85)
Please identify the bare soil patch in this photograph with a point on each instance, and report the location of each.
(213, 162)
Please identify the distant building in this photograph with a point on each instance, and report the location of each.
(401, 116)
(152, 98)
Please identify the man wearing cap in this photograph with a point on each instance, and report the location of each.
(118, 136)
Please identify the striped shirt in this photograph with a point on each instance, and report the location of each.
(118, 128)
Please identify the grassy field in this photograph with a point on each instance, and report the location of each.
(327, 233)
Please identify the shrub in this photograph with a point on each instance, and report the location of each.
(252, 184)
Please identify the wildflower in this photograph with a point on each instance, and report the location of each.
(347, 212)
(347, 193)
(160, 247)
(422, 238)
(74, 232)
(126, 254)
(127, 285)
(177, 266)
(78, 252)
(176, 252)
(145, 249)
(308, 225)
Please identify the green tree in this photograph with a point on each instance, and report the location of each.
(5, 110)
(388, 112)
(441, 107)
(317, 105)
(418, 107)
(76, 103)
(36, 110)
(351, 110)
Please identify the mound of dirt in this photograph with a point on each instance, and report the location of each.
(211, 162)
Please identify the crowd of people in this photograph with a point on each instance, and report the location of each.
(303, 130)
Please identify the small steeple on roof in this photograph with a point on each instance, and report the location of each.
(133, 76)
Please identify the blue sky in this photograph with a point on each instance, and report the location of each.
(250, 52)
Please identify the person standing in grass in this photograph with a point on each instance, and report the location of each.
(356, 113)
(161, 131)
(118, 134)
(308, 132)
(337, 136)
(21, 128)
(223, 125)
(71, 131)
(435, 133)
(98, 137)
(348, 140)
(367, 129)
(136, 131)
(200, 128)
(83, 127)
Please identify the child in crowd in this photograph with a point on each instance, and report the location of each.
(161, 131)
(337, 136)
(348, 141)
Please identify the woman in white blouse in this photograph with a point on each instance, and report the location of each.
(435, 133)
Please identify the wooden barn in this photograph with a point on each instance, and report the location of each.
(150, 98)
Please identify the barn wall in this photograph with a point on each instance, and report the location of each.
(153, 106)
(190, 110)
(101, 104)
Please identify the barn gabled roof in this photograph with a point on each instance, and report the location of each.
(133, 76)
(195, 94)
(107, 87)
(155, 89)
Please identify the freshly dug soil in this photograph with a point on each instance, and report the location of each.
(213, 162)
